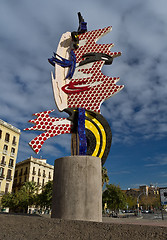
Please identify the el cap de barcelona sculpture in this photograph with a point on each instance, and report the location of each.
(79, 89)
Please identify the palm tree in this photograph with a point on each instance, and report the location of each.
(105, 178)
(30, 189)
(44, 199)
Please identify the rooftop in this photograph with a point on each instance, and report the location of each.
(5, 124)
(39, 161)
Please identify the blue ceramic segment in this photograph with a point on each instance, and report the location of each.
(81, 132)
(72, 66)
(56, 59)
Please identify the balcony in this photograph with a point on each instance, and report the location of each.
(49, 177)
(5, 152)
(2, 176)
(34, 173)
(44, 175)
(12, 154)
(9, 178)
(39, 174)
(3, 163)
(10, 166)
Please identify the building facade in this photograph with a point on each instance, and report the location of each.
(9, 142)
(143, 189)
(32, 169)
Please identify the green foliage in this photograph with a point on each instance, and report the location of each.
(131, 202)
(150, 201)
(44, 199)
(7, 200)
(23, 198)
(114, 197)
(29, 191)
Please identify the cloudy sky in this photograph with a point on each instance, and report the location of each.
(30, 31)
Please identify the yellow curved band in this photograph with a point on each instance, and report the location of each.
(89, 125)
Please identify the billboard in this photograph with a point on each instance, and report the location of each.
(163, 195)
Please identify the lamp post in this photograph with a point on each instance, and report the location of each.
(138, 203)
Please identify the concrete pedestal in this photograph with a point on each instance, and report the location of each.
(77, 188)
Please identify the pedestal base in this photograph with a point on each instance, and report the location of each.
(77, 188)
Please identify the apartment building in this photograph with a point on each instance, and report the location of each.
(9, 142)
(32, 169)
(143, 189)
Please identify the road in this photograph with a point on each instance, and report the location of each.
(144, 219)
(153, 216)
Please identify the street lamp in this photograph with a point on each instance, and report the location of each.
(138, 203)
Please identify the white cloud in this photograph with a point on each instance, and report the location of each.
(30, 31)
(159, 160)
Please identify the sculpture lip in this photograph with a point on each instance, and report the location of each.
(76, 87)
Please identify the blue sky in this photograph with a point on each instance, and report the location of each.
(29, 33)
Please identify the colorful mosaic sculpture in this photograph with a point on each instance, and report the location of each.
(79, 89)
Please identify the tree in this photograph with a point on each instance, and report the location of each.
(105, 178)
(7, 200)
(44, 199)
(23, 198)
(150, 201)
(131, 202)
(16, 201)
(30, 189)
(114, 197)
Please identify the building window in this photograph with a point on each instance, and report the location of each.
(21, 172)
(7, 137)
(1, 172)
(12, 152)
(32, 179)
(14, 140)
(39, 172)
(33, 171)
(5, 147)
(38, 182)
(9, 175)
(7, 188)
(26, 171)
(3, 160)
(43, 182)
(0, 134)
(16, 173)
(10, 162)
(44, 175)
(49, 175)
(25, 179)
(20, 180)
(0, 186)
